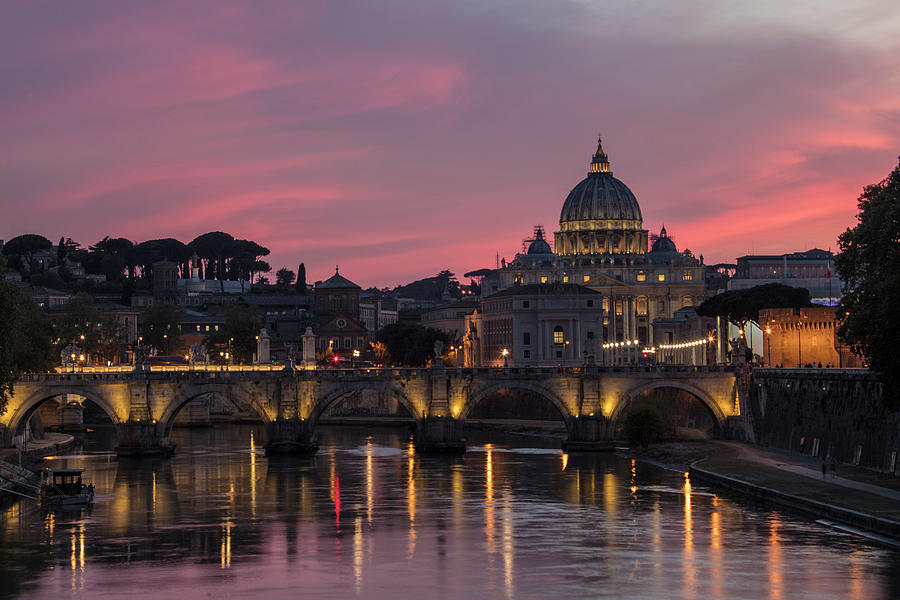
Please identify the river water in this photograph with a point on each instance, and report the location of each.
(368, 518)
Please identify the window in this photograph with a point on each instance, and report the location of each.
(527, 353)
(559, 354)
(642, 276)
(347, 343)
(661, 276)
(543, 279)
(558, 337)
(590, 335)
(619, 308)
(198, 328)
(590, 303)
(641, 305)
(686, 275)
(587, 278)
(606, 305)
(526, 338)
(359, 342)
(565, 279)
(525, 304)
(686, 301)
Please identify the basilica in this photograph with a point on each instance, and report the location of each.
(607, 281)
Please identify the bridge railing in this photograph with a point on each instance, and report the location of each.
(245, 371)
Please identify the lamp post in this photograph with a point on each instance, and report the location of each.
(355, 357)
(505, 354)
(768, 346)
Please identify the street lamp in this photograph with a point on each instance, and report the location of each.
(355, 357)
(505, 354)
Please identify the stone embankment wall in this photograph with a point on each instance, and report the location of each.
(827, 413)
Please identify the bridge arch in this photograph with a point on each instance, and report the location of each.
(481, 393)
(336, 395)
(34, 400)
(192, 392)
(700, 394)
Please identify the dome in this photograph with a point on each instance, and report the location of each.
(539, 245)
(601, 216)
(600, 197)
(663, 243)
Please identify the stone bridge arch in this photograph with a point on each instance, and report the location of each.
(26, 409)
(698, 392)
(189, 393)
(332, 394)
(481, 393)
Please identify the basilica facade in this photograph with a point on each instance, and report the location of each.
(631, 278)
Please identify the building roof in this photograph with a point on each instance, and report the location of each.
(555, 289)
(337, 281)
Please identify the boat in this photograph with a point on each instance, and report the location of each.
(64, 487)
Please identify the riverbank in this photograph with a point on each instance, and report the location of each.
(35, 451)
(857, 500)
(19, 481)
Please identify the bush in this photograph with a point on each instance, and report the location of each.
(644, 425)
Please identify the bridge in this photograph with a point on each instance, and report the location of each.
(143, 404)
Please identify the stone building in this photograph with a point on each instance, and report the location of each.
(812, 270)
(535, 324)
(804, 336)
(337, 316)
(602, 245)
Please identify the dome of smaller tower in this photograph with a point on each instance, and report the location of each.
(663, 243)
(539, 245)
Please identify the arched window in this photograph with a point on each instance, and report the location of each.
(558, 337)
(642, 305)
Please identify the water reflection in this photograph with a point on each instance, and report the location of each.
(367, 517)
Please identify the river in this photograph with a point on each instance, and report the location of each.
(369, 518)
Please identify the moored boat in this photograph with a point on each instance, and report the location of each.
(64, 487)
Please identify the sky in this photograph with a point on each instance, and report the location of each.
(398, 138)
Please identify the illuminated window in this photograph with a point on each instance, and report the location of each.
(217, 327)
(686, 301)
(606, 305)
(642, 276)
(618, 308)
(661, 276)
(198, 328)
(558, 337)
(587, 278)
(565, 279)
(686, 275)
(207, 327)
(641, 305)
(543, 279)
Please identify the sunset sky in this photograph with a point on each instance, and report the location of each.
(399, 138)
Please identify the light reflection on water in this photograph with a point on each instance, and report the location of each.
(367, 517)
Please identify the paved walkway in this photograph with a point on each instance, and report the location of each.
(757, 455)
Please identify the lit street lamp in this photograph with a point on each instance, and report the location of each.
(505, 354)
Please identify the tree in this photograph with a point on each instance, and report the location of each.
(25, 247)
(160, 327)
(410, 344)
(237, 335)
(740, 306)
(869, 264)
(301, 278)
(284, 277)
(644, 425)
(99, 335)
(25, 339)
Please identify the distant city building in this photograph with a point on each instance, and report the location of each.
(813, 270)
(534, 324)
(374, 316)
(804, 337)
(601, 245)
(337, 316)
